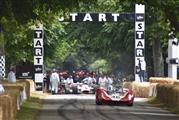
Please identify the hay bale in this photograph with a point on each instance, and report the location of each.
(1, 113)
(176, 82)
(14, 94)
(153, 90)
(141, 89)
(6, 105)
(14, 91)
(176, 97)
(8, 85)
(168, 94)
(32, 85)
(26, 83)
(144, 89)
(127, 85)
(19, 88)
(161, 80)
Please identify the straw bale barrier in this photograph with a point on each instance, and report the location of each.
(13, 97)
(8, 85)
(14, 90)
(176, 82)
(32, 85)
(153, 90)
(6, 105)
(1, 113)
(140, 89)
(168, 94)
(15, 94)
(26, 83)
(164, 89)
(23, 84)
(127, 85)
(162, 80)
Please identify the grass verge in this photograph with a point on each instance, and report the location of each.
(168, 106)
(30, 108)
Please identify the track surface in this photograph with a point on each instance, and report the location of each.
(83, 107)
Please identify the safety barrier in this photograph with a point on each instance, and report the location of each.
(13, 97)
(164, 89)
(7, 107)
(144, 89)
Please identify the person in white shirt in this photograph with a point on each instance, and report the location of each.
(1, 89)
(142, 66)
(88, 80)
(54, 80)
(109, 83)
(102, 81)
(11, 76)
(69, 80)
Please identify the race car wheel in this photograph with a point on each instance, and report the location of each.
(98, 103)
(75, 90)
(131, 104)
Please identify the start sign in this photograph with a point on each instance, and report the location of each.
(38, 57)
(98, 17)
(139, 39)
(138, 18)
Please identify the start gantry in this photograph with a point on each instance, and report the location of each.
(98, 17)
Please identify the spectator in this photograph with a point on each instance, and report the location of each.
(88, 80)
(11, 76)
(54, 80)
(48, 80)
(1, 89)
(69, 80)
(142, 66)
(102, 81)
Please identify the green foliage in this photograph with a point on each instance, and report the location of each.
(29, 109)
(64, 49)
(100, 65)
(84, 42)
(1, 44)
(18, 45)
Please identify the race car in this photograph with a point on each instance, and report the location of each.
(85, 88)
(116, 96)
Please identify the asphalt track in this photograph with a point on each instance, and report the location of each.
(83, 107)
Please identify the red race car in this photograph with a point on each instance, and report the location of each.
(116, 96)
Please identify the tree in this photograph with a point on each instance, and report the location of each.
(109, 41)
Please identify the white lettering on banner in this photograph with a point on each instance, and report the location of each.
(139, 43)
(87, 17)
(38, 69)
(102, 17)
(73, 15)
(38, 60)
(98, 17)
(61, 19)
(115, 16)
(139, 17)
(38, 33)
(38, 43)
